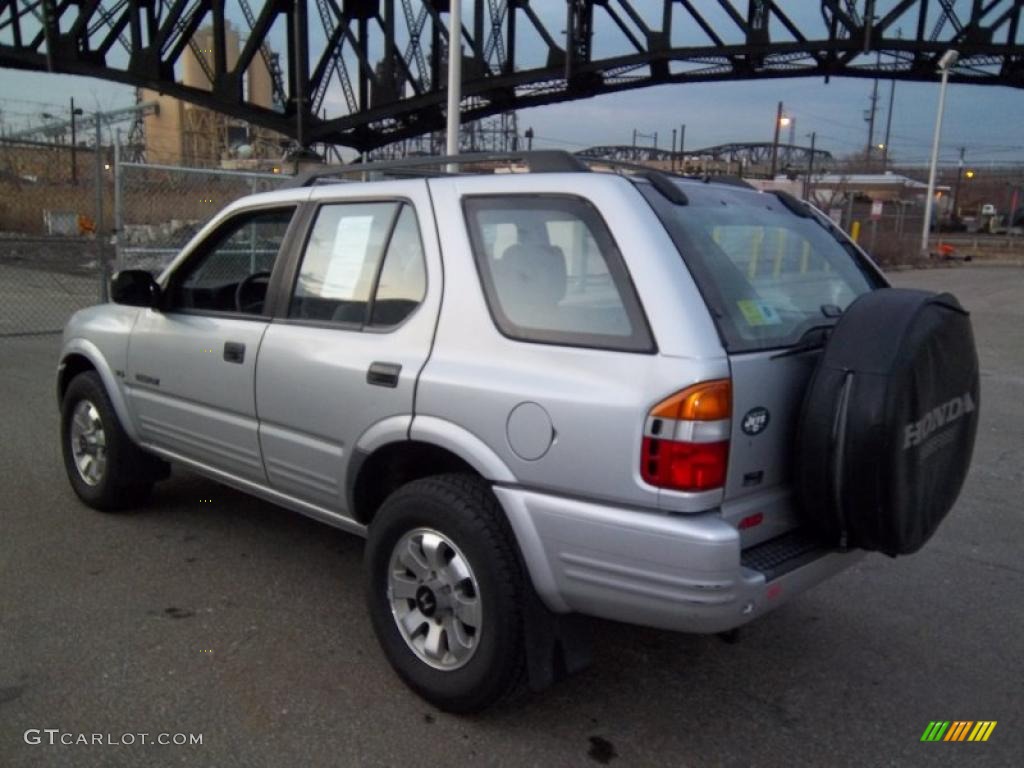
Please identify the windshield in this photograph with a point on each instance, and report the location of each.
(767, 274)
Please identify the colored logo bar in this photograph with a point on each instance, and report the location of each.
(958, 730)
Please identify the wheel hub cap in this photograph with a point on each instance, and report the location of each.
(426, 601)
(88, 443)
(435, 599)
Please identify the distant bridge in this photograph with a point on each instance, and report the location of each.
(743, 153)
(364, 73)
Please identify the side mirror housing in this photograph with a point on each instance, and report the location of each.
(136, 288)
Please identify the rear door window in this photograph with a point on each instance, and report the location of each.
(552, 273)
(363, 265)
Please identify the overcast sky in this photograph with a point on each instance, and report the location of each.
(988, 120)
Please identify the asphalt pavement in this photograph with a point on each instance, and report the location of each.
(210, 613)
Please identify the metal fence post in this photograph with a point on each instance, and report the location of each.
(118, 212)
(98, 232)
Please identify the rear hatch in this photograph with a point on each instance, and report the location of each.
(775, 278)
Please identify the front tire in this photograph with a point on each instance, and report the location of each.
(105, 468)
(445, 591)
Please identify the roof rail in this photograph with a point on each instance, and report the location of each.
(537, 161)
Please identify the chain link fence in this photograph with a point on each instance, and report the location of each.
(52, 260)
(49, 257)
(43, 280)
(158, 208)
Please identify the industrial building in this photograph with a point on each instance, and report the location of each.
(180, 133)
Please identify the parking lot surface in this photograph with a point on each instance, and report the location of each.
(212, 613)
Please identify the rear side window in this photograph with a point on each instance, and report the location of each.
(552, 273)
(363, 264)
(767, 274)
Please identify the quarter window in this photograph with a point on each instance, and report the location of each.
(552, 273)
(403, 278)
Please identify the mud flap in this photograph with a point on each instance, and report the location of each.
(557, 644)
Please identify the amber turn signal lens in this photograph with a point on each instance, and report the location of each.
(707, 401)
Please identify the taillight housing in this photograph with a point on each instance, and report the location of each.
(686, 438)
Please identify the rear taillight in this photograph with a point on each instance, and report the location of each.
(686, 438)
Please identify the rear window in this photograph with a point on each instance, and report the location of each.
(767, 274)
(552, 273)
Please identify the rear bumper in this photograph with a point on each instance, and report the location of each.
(683, 572)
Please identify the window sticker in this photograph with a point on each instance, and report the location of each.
(757, 312)
(348, 255)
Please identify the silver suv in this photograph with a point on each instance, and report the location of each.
(539, 395)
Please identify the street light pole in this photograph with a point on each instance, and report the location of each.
(454, 77)
(948, 60)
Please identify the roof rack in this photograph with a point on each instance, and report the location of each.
(536, 161)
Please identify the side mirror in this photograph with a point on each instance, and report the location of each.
(136, 288)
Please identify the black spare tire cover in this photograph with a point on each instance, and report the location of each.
(888, 421)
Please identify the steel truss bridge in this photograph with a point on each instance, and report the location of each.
(741, 153)
(364, 73)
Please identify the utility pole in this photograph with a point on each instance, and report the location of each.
(871, 117)
(775, 141)
(888, 125)
(888, 115)
(956, 187)
(673, 149)
(682, 139)
(529, 139)
(101, 255)
(634, 137)
(808, 182)
(74, 144)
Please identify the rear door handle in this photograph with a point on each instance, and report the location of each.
(383, 374)
(234, 352)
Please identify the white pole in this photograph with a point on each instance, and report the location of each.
(454, 77)
(947, 61)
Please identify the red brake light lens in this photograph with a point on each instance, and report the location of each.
(684, 466)
(699, 461)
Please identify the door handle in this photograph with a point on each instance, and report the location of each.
(383, 374)
(234, 352)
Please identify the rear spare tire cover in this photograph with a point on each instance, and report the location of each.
(888, 421)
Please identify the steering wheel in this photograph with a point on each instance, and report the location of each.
(252, 306)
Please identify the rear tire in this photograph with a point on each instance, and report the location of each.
(105, 468)
(445, 592)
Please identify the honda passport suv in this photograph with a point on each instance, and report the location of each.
(539, 396)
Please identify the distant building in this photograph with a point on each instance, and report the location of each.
(180, 133)
(829, 191)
